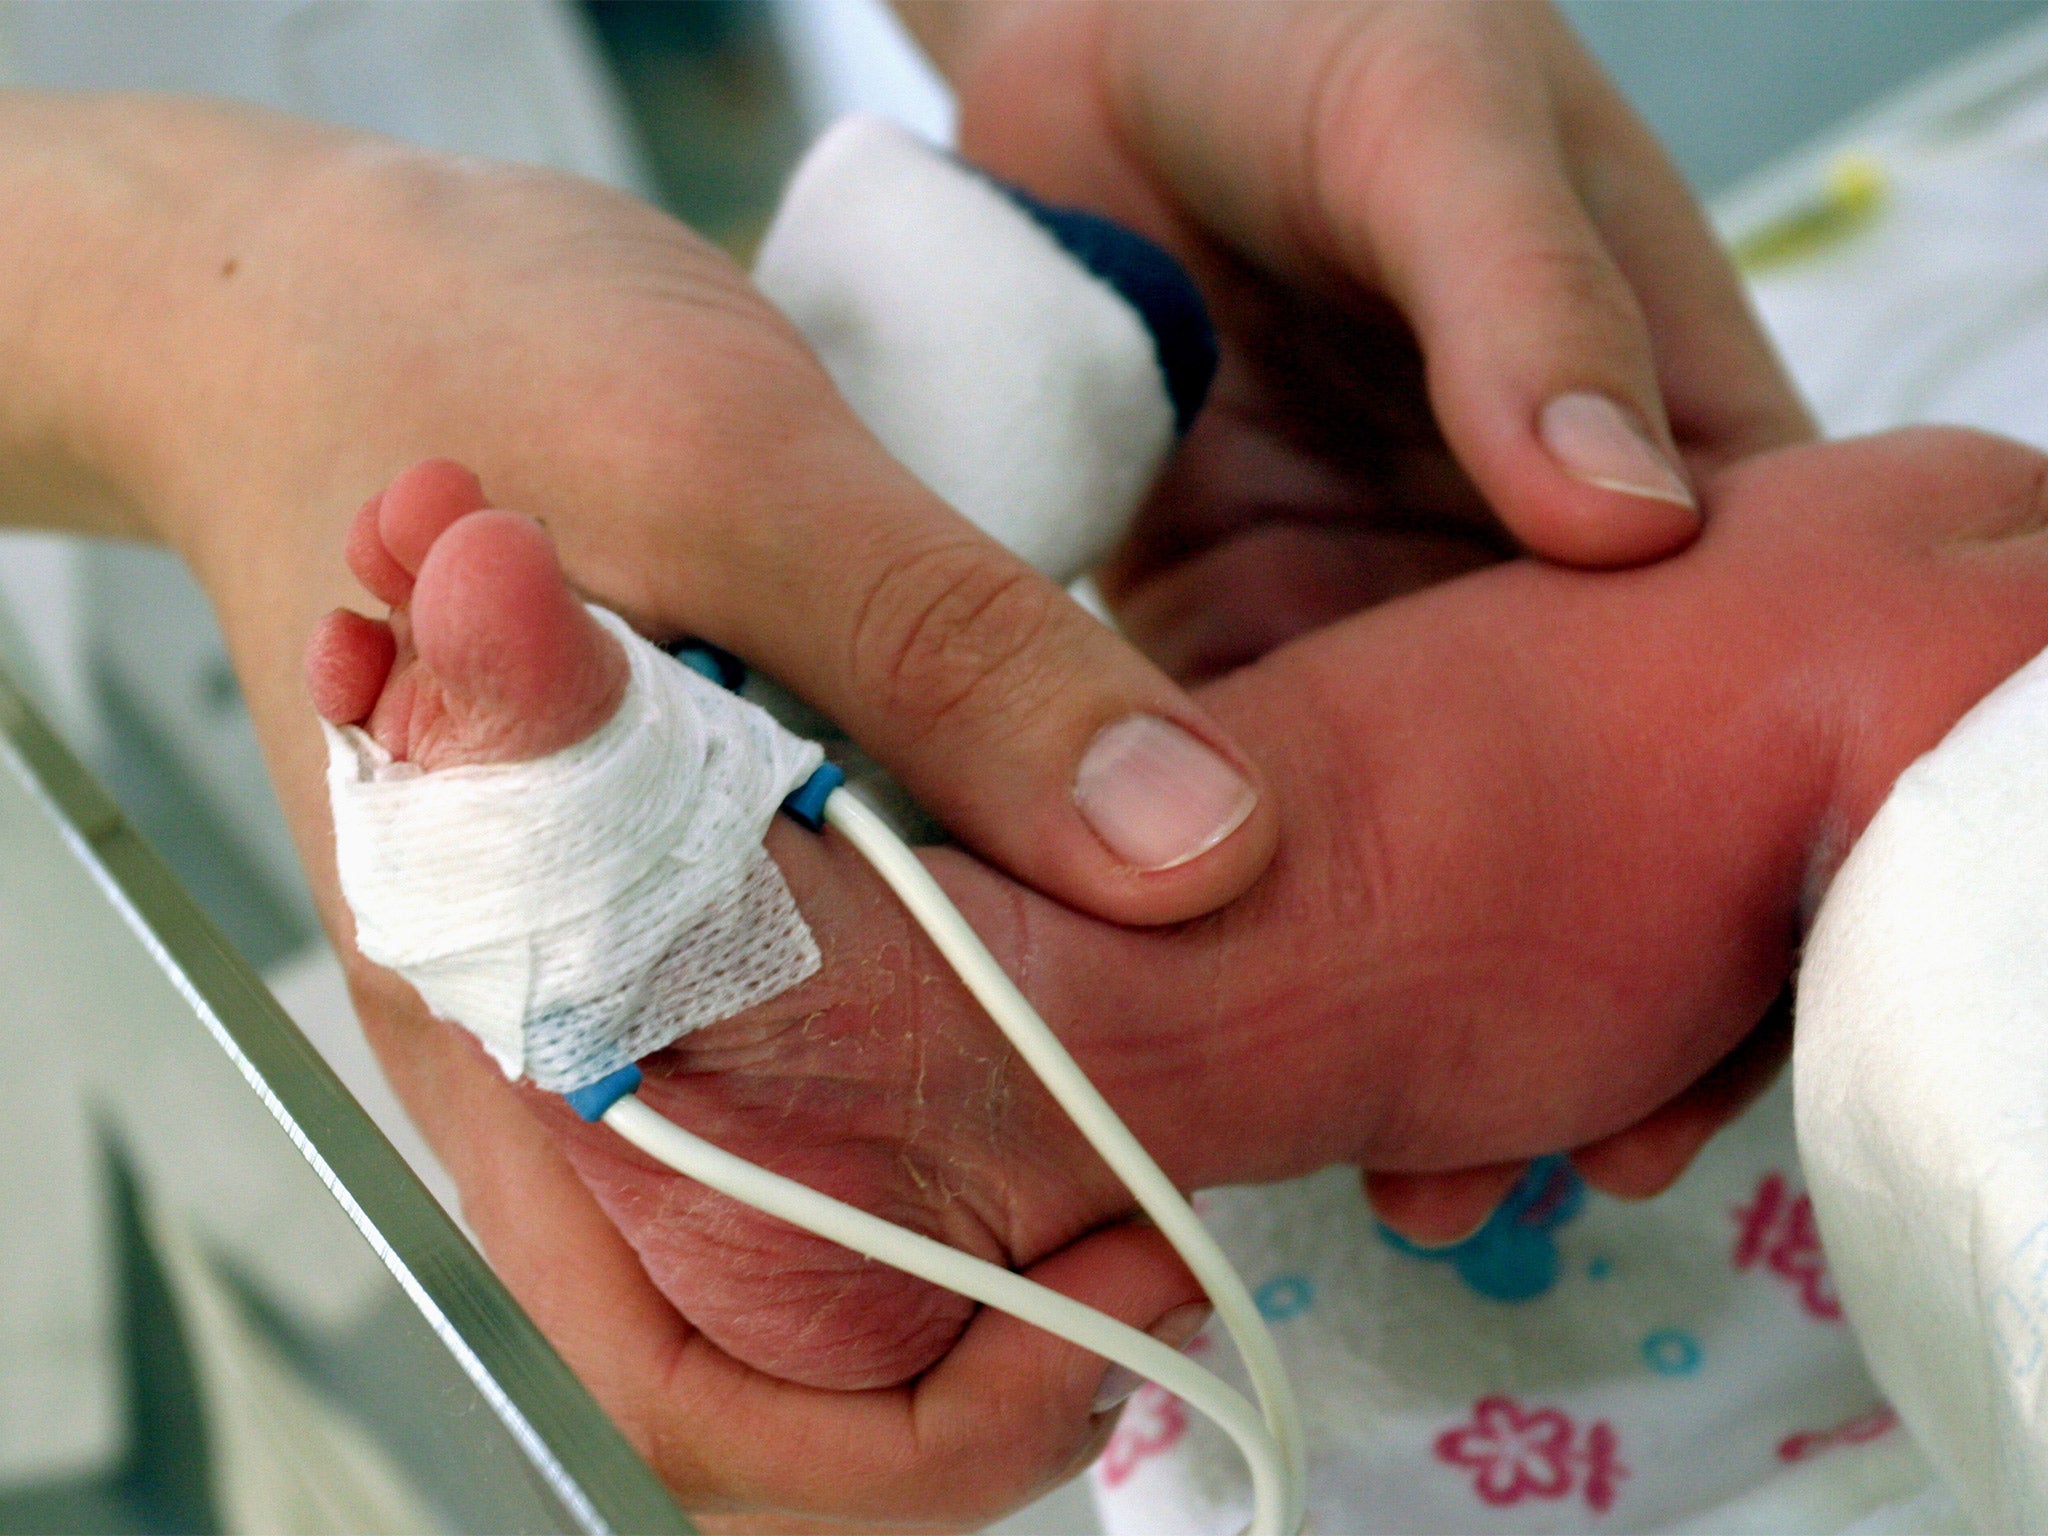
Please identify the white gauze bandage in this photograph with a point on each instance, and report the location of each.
(581, 910)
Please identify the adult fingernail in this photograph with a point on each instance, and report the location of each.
(1156, 796)
(1174, 1330)
(1178, 1328)
(1445, 1244)
(1595, 441)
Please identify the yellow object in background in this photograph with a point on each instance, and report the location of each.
(1852, 193)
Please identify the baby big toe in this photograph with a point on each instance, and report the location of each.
(518, 666)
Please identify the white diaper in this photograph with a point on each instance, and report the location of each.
(1922, 1065)
(581, 910)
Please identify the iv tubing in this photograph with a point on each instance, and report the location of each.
(1130, 1162)
(1270, 1439)
(884, 1241)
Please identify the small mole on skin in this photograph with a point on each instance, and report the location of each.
(229, 267)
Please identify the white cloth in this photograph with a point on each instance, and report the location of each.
(1019, 386)
(1586, 1364)
(580, 910)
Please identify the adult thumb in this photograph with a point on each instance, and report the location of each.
(1028, 728)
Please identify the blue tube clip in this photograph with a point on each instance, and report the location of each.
(593, 1099)
(806, 803)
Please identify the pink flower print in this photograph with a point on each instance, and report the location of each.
(1514, 1455)
(1777, 1229)
(1517, 1453)
(1881, 1420)
(1153, 1421)
(1604, 1470)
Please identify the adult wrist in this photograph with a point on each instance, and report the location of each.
(128, 209)
(59, 190)
(956, 34)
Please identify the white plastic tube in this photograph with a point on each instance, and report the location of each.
(914, 1253)
(1269, 1439)
(1019, 1021)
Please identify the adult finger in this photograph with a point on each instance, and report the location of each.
(1032, 731)
(1442, 177)
(1057, 1402)
(1648, 1157)
(1416, 151)
(1726, 393)
(1008, 1412)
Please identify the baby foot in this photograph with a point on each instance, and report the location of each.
(487, 656)
(877, 1081)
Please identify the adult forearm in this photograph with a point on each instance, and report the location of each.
(126, 217)
(65, 195)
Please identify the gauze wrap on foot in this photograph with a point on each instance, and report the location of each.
(1033, 364)
(581, 910)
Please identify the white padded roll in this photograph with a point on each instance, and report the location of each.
(1921, 1072)
(1016, 384)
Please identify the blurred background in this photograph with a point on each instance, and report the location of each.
(703, 107)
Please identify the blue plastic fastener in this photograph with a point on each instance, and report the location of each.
(806, 803)
(709, 661)
(1514, 1256)
(593, 1099)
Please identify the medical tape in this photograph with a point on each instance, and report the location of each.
(580, 910)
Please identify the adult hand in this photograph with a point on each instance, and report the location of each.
(1461, 290)
(1465, 303)
(225, 328)
(287, 317)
